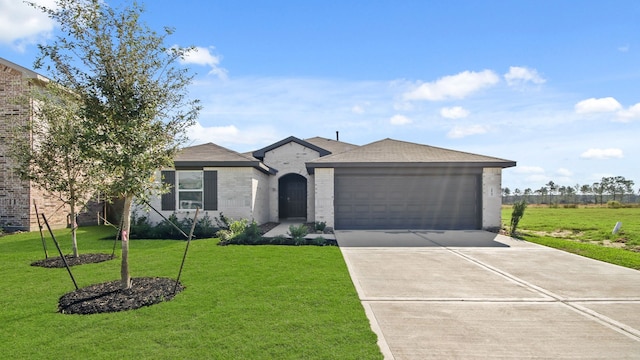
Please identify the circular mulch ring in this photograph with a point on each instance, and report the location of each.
(110, 297)
(56, 262)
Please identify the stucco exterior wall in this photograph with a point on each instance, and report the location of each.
(491, 198)
(290, 158)
(324, 195)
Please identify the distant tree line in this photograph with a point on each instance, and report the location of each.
(613, 188)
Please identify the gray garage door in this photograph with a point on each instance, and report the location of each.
(418, 201)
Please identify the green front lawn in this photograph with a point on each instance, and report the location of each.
(240, 302)
(586, 231)
(583, 223)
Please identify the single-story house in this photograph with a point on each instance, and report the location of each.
(387, 184)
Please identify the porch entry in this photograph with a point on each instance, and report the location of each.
(292, 196)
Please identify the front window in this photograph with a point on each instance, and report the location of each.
(190, 189)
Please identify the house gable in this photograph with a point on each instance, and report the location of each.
(289, 157)
(260, 154)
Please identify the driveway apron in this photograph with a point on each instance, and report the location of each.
(479, 295)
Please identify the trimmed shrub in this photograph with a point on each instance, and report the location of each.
(614, 204)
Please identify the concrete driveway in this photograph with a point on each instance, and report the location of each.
(475, 294)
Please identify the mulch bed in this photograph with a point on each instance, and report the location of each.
(56, 262)
(265, 228)
(110, 297)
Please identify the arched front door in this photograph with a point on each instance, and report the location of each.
(292, 196)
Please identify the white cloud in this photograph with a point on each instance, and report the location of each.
(454, 86)
(463, 131)
(600, 105)
(203, 57)
(21, 24)
(624, 48)
(633, 112)
(455, 112)
(230, 136)
(357, 109)
(602, 154)
(400, 120)
(564, 172)
(518, 75)
(403, 106)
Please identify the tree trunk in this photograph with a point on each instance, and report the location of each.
(126, 224)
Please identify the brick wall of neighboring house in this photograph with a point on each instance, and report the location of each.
(14, 193)
(17, 196)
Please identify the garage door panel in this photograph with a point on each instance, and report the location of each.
(395, 201)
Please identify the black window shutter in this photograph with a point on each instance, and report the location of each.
(169, 199)
(210, 190)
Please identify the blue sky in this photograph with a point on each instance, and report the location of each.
(553, 85)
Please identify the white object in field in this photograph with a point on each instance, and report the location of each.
(617, 227)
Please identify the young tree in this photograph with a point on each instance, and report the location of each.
(134, 98)
(542, 192)
(552, 187)
(517, 192)
(585, 190)
(527, 194)
(598, 190)
(622, 186)
(563, 193)
(53, 157)
(506, 192)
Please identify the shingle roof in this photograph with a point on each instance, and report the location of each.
(211, 154)
(386, 152)
(394, 152)
(335, 147)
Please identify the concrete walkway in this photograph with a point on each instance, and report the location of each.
(478, 295)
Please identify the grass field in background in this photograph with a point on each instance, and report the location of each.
(585, 231)
(240, 302)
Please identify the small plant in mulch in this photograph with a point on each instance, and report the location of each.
(57, 262)
(111, 297)
(298, 233)
(320, 225)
